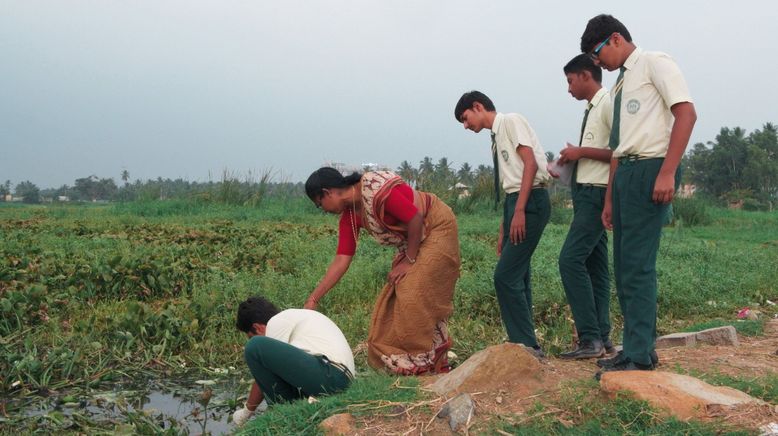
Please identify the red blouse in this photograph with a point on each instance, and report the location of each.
(399, 207)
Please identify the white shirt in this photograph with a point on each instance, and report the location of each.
(313, 333)
(653, 83)
(510, 131)
(596, 134)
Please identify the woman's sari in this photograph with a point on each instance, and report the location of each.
(408, 333)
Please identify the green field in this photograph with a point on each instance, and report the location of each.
(96, 296)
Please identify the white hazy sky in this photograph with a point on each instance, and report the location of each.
(190, 88)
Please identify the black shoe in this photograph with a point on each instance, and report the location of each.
(608, 345)
(624, 365)
(585, 350)
(538, 352)
(618, 358)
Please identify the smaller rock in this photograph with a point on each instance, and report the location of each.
(459, 411)
(340, 424)
(676, 340)
(726, 335)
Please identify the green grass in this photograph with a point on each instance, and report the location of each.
(371, 393)
(764, 387)
(745, 327)
(94, 293)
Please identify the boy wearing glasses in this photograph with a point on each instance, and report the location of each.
(583, 261)
(520, 170)
(653, 117)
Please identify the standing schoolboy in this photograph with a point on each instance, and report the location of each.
(520, 170)
(653, 117)
(583, 261)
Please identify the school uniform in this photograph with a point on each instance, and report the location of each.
(512, 273)
(651, 83)
(302, 353)
(583, 260)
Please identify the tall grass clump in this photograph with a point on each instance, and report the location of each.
(234, 191)
(691, 211)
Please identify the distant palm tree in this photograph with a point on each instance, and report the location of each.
(426, 172)
(465, 174)
(125, 176)
(407, 172)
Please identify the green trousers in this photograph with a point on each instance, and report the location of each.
(286, 373)
(583, 265)
(512, 274)
(637, 228)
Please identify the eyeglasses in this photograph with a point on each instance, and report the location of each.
(594, 55)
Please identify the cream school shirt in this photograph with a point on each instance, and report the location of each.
(653, 83)
(596, 135)
(510, 130)
(313, 333)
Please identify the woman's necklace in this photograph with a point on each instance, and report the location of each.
(352, 216)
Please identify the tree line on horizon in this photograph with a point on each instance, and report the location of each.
(736, 166)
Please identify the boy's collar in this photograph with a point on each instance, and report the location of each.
(632, 59)
(497, 121)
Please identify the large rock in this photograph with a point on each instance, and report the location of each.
(676, 340)
(679, 395)
(726, 335)
(491, 368)
(340, 424)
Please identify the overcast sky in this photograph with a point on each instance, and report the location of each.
(190, 88)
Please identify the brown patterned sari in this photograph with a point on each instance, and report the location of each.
(408, 333)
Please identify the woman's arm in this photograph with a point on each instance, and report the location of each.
(337, 268)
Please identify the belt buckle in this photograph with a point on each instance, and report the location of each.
(630, 158)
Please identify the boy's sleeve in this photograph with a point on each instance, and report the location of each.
(607, 112)
(668, 80)
(517, 132)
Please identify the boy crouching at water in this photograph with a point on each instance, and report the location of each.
(292, 354)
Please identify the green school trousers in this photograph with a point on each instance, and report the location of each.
(637, 228)
(512, 273)
(286, 373)
(583, 265)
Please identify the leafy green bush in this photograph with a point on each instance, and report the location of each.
(691, 211)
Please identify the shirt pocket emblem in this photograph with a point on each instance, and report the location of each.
(504, 155)
(633, 106)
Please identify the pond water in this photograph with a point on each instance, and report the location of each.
(188, 406)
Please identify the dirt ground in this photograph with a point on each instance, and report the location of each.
(514, 404)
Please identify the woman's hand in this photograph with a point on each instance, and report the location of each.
(398, 272)
(311, 303)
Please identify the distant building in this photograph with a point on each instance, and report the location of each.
(345, 168)
(463, 191)
(63, 198)
(687, 190)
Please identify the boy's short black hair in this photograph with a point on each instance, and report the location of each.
(466, 102)
(599, 28)
(254, 310)
(582, 63)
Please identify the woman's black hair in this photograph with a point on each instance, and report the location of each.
(328, 178)
(254, 310)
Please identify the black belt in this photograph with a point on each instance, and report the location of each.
(635, 157)
(594, 185)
